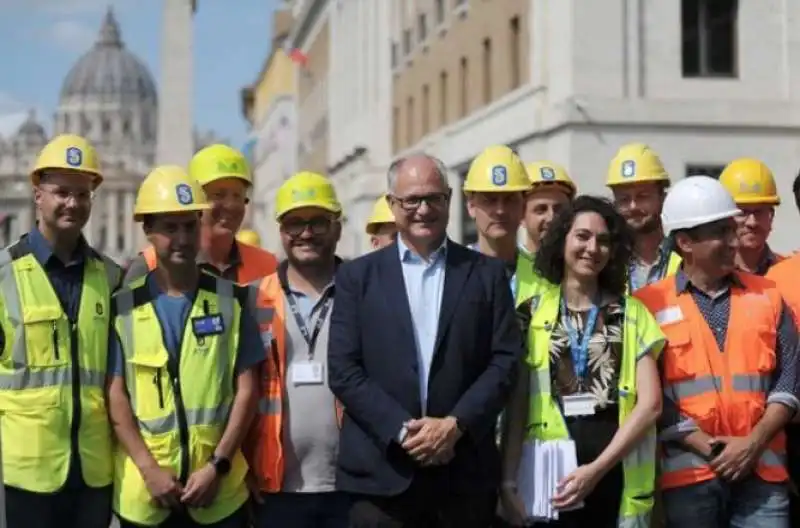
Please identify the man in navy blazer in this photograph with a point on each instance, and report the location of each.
(423, 351)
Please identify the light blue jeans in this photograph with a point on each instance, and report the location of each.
(751, 503)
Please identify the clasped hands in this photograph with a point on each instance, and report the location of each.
(431, 441)
(167, 491)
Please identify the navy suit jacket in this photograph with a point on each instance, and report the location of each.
(372, 365)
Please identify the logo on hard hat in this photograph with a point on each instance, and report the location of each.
(74, 157)
(547, 173)
(745, 187)
(628, 169)
(229, 166)
(184, 193)
(303, 194)
(499, 175)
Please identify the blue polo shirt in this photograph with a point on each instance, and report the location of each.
(173, 313)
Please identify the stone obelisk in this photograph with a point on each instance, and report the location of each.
(175, 119)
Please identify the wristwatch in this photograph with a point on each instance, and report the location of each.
(221, 464)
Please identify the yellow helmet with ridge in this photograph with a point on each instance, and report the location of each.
(547, 174)
(216, 162)
(381, 214)
(250, 237)
(306, 189)
(750, 182)
(68, 152)
(497, 169)
(169, 189)
(636, 163)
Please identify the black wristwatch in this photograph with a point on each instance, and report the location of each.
(221, 464)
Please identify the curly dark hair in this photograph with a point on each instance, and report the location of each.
(550, 262)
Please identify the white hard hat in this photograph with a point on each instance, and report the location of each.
(694, 201)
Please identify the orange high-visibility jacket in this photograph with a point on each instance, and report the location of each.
(255, 262)
(263, 447)
(785, 275)
(723, 391)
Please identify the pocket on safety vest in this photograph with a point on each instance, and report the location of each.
(46, 342)
(150, 379)
(678, 357)
(762, 342)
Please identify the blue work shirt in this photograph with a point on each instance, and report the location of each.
(424, 280)
(173, 313)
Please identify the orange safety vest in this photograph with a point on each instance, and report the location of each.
(263, 446)
(255, 262)
(723, 392)
(785, 274)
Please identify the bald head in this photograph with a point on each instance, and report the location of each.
(419, 168)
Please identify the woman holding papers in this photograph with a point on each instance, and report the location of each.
(592, 388)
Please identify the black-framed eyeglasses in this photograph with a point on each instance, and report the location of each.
(318, 225)
(412, 203)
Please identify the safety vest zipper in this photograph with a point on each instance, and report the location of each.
(183, 428)
(76, 391)
(158, 383)
(55, 341)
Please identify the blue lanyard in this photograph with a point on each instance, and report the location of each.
(580, 347)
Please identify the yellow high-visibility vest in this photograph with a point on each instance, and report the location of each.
(641, 334)
(181, 406)
(52, 374)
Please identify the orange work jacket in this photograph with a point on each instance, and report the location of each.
(255, 262)
(723, 391)
(263, 447)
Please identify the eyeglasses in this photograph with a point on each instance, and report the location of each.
(294, 227)
(63, 195)
(412, 203)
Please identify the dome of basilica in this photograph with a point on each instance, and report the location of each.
(109, 71)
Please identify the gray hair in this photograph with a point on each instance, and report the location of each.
(394, 169)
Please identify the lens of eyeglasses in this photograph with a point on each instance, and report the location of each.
(318, 225)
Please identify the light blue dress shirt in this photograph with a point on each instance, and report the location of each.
(424, 282)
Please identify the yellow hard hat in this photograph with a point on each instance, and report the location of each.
(168, 189)
(306, 189)
(636, 163)
(497, 169)
(248, 236)
(381, 214)
(545, 173)
(68, 152)
(215, 162)
(750, 182)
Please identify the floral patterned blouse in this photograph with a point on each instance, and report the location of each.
(605, 353)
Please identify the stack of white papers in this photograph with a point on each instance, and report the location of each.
(543, 465)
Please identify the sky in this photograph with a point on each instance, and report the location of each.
(231, 43)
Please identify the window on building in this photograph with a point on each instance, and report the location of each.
(406, 42)
(410, 121)
(426, 110)
(395, 58)
(464, 95)
(514, 53)
(704, 169)
(443, 98)
(440, 11)
(487, 71)
(422, 27)
(708, 37)
(395, 129)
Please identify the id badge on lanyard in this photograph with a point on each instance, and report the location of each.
(309, 372)
(582, 403)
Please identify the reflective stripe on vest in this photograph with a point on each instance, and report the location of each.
(180, 420)
(724, 392)
(37, 374)
(545, 422)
